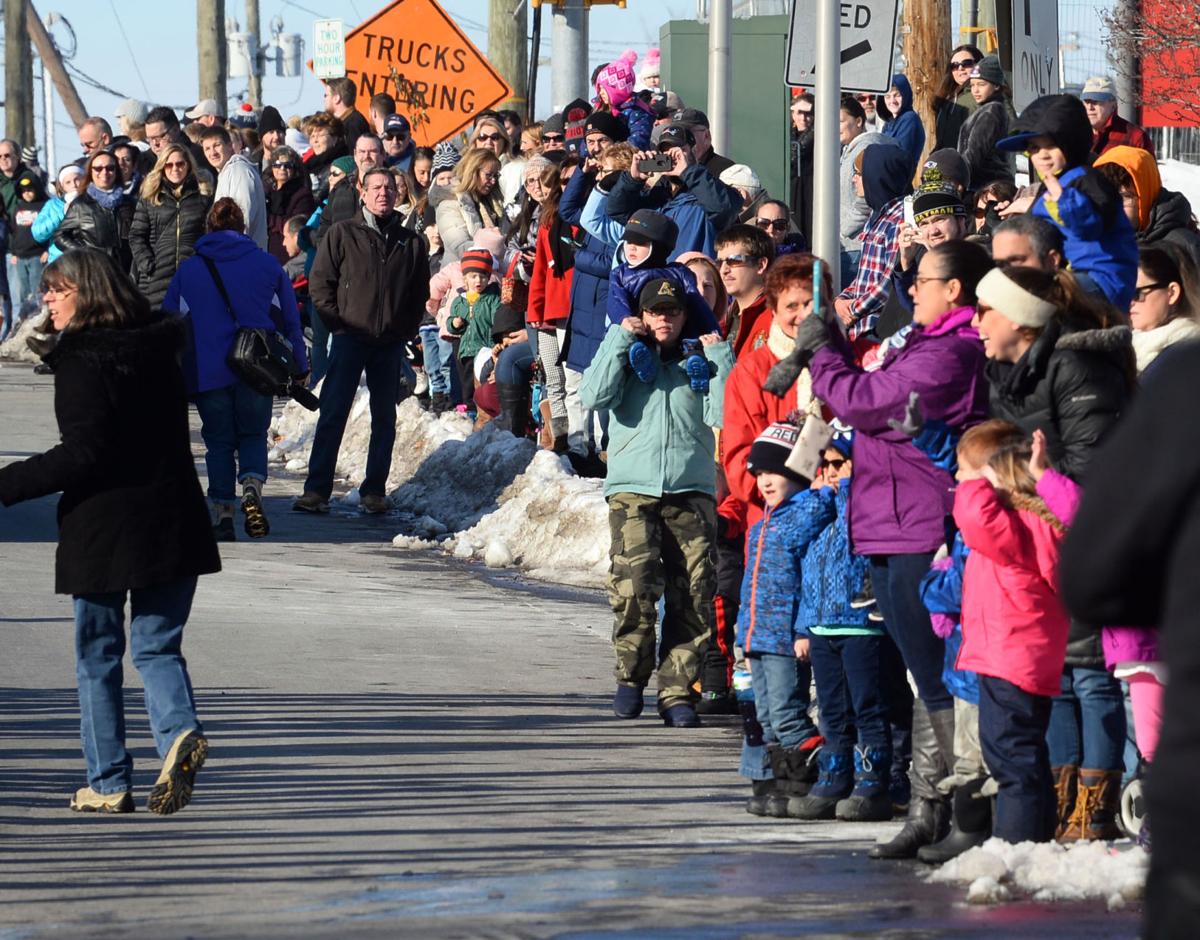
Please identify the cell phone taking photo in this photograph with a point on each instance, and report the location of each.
(659, 163)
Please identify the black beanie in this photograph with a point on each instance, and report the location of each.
(601, 122)
(270, 120)
(771, 449)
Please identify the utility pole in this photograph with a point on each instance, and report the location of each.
(535, 54)
(211, 51)
(926, 31)
(18, 75)
(508, 22)
(827, 149)
(255, 87)
(1128, 70)
(720, 74)
(52, 61)
(569, 54)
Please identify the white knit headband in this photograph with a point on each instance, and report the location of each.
(1013, 301)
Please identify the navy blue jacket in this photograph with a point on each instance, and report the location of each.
(941, 593)
(906, 127)
(261, 294)
(625, 287)
(589, 285)
(702, 208)
(768, 619)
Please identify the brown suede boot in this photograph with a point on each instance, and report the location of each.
(1096, 807)
(1066, 782)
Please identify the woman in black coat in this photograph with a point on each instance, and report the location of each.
(1056, 365)
(168, 220)
(100, 216)
(132, 521)
(288, 194)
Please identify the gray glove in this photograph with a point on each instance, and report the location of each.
(811, 335)
(912, 422)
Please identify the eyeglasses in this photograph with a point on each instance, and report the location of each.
(489, 175)
(765, 224)
(1141, 293)
(57, 291)
(921, 279)
(959, 64)
(175, 165)
(280, 166)
(156, 138)
(806, 113)
(865, 97)
(553, 138)
(735, 261)
(488, 137)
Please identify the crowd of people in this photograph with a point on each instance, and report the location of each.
(863, 492)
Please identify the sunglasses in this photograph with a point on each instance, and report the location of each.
(553, 138)
(771, 223)
(982, 211)
(403, 136)
(489, 175)
(836, 464)
(865, 97)
(175, 165)
(487, 137)
(278, 166)
(735, 261)
(107, 168)
(668, 312)
(804, 113)
(959, 64)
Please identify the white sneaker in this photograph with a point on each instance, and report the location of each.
(422, 384)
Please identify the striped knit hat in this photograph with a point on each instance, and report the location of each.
(477, 259)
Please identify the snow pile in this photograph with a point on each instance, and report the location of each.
(14, 348)
(485, 496)
(1047, 871)
(1181, 178)
(550, 522)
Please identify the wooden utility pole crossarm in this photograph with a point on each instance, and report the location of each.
(54, 63)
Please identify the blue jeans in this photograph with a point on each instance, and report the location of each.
(1012, 733)
(515, 364)
(233, 422)
(781, 698)
(156, 635)
(439, 359)
(24, 281)
(849, 691)
(896, 579)
(319, 357)
(349, 357)
(849, 266)
(1087, 723)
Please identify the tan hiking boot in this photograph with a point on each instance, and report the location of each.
(87, 800)
(311, 502)
(173, 788)
(1096, 807)
(374, 503)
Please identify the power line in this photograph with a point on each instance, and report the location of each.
(132, 58)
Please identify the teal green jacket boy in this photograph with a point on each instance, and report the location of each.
(477, 333)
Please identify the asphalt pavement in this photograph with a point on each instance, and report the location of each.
(406, 746)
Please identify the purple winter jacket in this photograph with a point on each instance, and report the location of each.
(900, 499)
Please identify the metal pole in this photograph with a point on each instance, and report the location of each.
(1128, 70)
(569, 54)
(51, 165)
(827, 149)
(255, 85)
(535, 53)
(720, 56)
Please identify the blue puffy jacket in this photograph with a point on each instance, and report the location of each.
(702, 207)
(589, 285)
(832, 576)
(941, 593)
(906, 127)
(768, 619)
(1099, 239)
(638, 121)
(625, 287)
(259, 290)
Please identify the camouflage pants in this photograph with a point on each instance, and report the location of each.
(661, 545)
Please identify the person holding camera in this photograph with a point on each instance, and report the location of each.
(697, 202)
(234, 417)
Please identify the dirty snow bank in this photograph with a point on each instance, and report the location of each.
(1047, 871)
(14, 348)
(486, 495)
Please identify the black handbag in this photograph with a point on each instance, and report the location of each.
(262, 358)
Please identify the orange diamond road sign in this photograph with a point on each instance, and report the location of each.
(420, 40)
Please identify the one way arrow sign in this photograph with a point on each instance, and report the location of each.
(868, 30)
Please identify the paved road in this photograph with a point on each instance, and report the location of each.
(403, 746)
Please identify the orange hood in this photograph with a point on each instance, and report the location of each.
(1142, 166)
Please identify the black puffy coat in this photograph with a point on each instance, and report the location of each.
(1171, 221)
(294, 198)
(977, 142)
(164, 235)
(1073, 386)
(87, 224)
(132, 513)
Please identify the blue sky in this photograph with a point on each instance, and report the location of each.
(163, 68)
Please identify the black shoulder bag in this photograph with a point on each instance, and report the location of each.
(262, 358)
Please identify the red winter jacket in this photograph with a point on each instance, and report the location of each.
(753, 325)
(549, 290)
(1014, 625)
(1119, 132)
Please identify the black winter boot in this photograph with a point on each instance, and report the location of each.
(970, 826)
(927, 823)
(928, 811)
(760, 796)
(514, 408)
